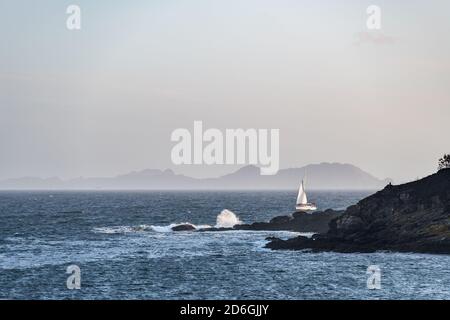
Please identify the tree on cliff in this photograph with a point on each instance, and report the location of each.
(444, 162)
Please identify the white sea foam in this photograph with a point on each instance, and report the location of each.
(227, 219)
(164, 228)
(202, 226)
(113, 230)
(170, 226)
(307, 234)
(144, 228)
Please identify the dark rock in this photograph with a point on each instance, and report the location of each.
(413, 217)
(281, 219)
(184, 227)
(215, 229)
(254, 226)
(299, 214)
(317, 222)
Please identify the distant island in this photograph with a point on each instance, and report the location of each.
(323, 176)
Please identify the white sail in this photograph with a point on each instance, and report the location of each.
(301, 197)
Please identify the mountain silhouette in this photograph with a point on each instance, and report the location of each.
(325, 176)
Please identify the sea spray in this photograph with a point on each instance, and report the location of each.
(227, 219)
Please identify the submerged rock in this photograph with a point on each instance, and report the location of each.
(184, 227)
(412, 217)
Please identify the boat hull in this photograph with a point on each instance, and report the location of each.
(308, 207)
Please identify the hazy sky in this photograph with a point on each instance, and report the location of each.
(104, 100)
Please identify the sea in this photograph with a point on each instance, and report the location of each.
(123, 247)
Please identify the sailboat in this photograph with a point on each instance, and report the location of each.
(302, 200)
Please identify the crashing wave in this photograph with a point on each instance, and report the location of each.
(226, 219)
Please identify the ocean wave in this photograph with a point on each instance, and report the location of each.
(145, 228)
(113, 230)
(226, 219)
(172, 225)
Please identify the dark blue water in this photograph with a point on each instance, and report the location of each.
(122, 243)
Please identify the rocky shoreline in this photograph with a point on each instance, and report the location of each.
(318, 222)
(412, 217)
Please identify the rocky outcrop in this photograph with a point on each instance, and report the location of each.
(184, 227)
(412, 217)
(297, 222)
(317, 222)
